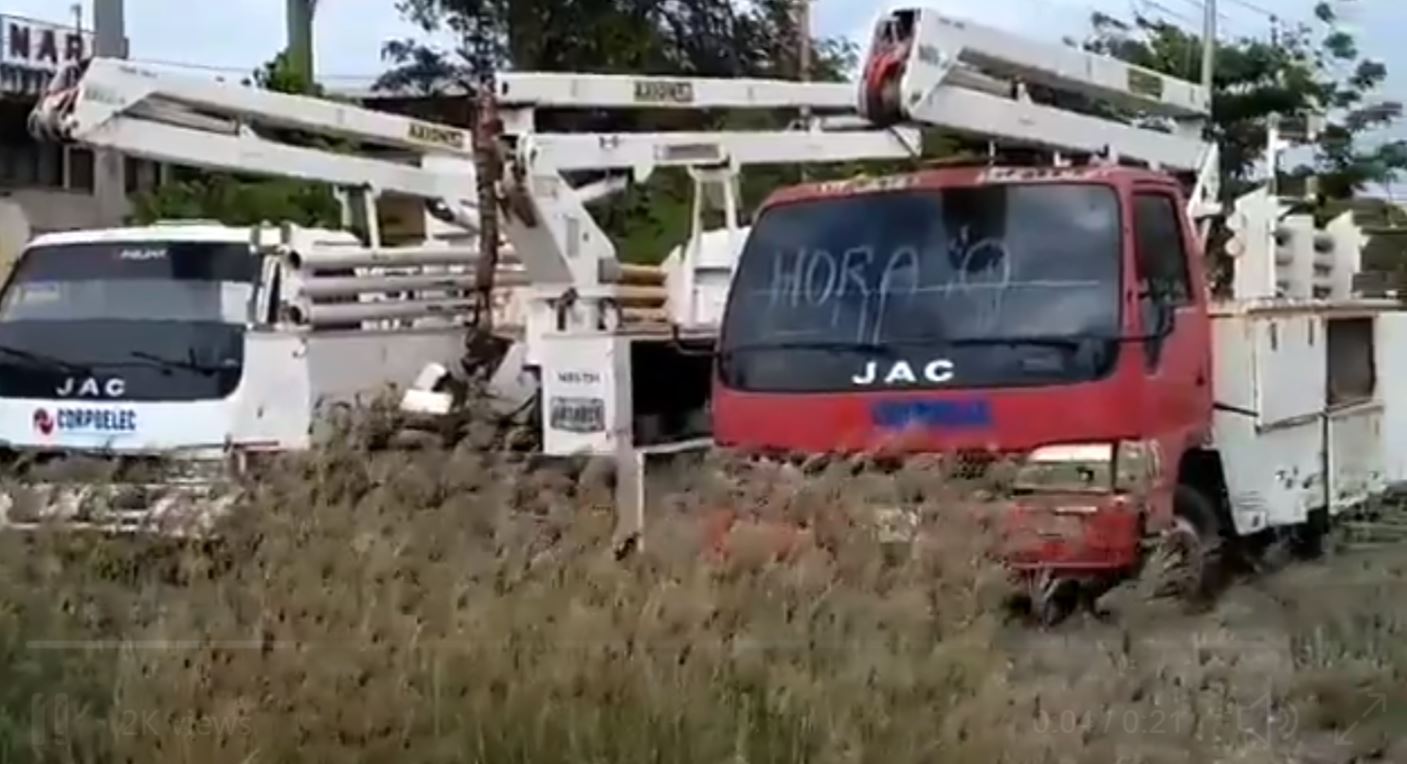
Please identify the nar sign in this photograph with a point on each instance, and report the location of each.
(32, 51)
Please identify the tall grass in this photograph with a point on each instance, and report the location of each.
(453, 605)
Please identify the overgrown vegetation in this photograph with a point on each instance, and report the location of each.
(457, 605)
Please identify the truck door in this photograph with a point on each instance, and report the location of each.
(1175, 329)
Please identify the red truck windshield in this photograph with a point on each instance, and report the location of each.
(961, 287)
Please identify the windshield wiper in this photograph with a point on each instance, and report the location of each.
(45, 360)
(887, 349)
(176, 363)
(1069, 343)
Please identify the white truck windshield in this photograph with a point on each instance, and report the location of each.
(165, 319)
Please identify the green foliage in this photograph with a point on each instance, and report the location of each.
(702, 37)
(758, 38)
(239, 201)
(1306, 71)
(281, 76)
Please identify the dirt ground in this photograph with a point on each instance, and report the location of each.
(450, 605)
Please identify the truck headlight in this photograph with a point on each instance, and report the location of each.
(1127, 466)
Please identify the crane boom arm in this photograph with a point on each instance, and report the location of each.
(112, 87)
(915, 53)
(220, 126)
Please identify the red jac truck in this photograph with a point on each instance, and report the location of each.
(1059, 315)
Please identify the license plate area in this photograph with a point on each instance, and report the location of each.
(579, 415)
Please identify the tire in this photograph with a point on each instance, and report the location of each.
(1307, 540)
(1191, 549)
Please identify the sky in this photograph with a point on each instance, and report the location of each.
(235, 36)
(239, 34)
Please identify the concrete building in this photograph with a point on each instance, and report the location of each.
(51, 184)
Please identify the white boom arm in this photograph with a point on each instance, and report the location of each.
(916, 53)
(215, 125)
(220, 126)
(572, 263)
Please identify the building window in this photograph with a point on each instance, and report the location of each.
(80, 169)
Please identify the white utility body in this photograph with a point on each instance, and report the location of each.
(1311, 415)
(596, 343)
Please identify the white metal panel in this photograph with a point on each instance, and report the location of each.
(1003, 119)
(551, 89)
(111, 86)
(250, 154)
(154, 426)
(1290, 368)
(275, 405)
(700, 301)
(1275, 476)
(1061, 66)
(1355, 458)
(1390, 355)
(154, 233)
(568, 152)
(351, 365)
(579, 372)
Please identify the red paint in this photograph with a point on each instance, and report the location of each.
(1038, 536)
(43, 422)
(1168, 401)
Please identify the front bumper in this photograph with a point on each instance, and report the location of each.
(1072, 533)
(177, 509)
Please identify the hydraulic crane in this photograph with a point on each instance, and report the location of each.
(597, 344)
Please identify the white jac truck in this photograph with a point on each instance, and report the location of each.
(176, 342)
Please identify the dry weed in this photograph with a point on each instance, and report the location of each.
(450, 604)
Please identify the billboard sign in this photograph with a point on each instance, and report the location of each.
(32, 51)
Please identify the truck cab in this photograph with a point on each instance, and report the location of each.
(172, 356)
(1057, 316)
(126, 339)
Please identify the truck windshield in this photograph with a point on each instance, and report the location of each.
(1000, 285)
(134, 321)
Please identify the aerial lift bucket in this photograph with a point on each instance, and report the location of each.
(884, 68)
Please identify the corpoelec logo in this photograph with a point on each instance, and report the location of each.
(85, 420)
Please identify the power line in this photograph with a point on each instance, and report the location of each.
(1250, 6)
(191, 65)
(1201, 8)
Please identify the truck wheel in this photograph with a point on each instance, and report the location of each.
(1307, 540)
(1188, 561)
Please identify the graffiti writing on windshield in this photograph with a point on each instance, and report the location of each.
(861, 293)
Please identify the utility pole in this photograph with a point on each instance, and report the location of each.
(109, 170)
(803, 28)
(1208, 43)
(803, 59)
(300, 38)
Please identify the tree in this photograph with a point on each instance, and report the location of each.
(698, 37)
(240, 201)
(725, 38)
(1309, 70)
